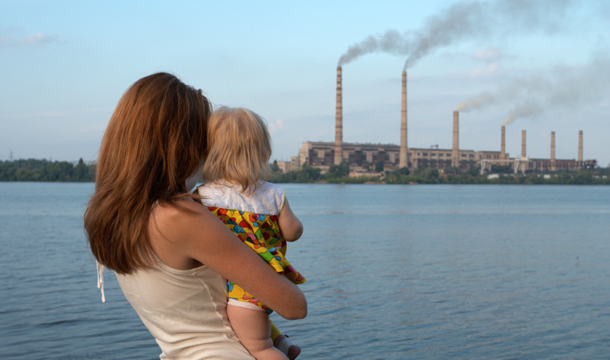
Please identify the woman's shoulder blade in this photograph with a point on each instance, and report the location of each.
(174, 219)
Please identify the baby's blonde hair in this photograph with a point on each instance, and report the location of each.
(239, 148)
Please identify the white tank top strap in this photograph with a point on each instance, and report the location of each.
(100, 278)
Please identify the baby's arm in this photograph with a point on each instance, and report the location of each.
(290, 226)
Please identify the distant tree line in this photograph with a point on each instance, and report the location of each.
(340, 174)
(63, 171)
(44, 170)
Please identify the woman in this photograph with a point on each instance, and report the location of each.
(170, 254)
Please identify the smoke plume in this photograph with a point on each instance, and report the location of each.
(522, 110)
(563, 86)
(391, 42)
(481, 20)
(465, 20)
(484, 98)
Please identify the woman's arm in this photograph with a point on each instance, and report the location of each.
(290, 226)
(182, 240)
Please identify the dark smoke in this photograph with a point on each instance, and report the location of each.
(568, 87)
(463, 21)
(481, 20)
(391, 42)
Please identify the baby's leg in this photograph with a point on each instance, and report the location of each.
(283, 343)
(253, 330)
(275, 332)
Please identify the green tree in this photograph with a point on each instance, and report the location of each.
(379, 166)
(43, 170)
(583, 177)
(274, 166)
(309, 173)
(337, 171)
(80, 171)
(426, 173)
(473, 171)
(403, 171)
(452, 171)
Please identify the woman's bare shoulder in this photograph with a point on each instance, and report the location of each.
(168, 229)
(167, 214)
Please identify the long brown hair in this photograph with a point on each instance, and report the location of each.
(155, 140)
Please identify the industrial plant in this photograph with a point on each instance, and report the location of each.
(363, 159)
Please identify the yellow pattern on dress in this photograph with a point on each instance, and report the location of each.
(260, 233)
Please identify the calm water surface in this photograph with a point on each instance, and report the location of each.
(394, 272)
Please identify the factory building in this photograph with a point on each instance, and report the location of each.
(363, 158)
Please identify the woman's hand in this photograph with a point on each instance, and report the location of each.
(185, 239)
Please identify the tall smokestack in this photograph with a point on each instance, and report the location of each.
(523, 144)
(339, 121)
(552, 151)
(455, 153)
(580, 146)
(503, 143)
(403, 156)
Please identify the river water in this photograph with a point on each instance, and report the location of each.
(394, 272)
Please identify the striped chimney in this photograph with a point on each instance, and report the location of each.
(523, 144)
(552, 151)
(403, 156)
(580, 147)
(339, 121)
(455, 152)
(503, 143)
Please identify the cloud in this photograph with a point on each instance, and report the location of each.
(9, 38)
(36, 38)
(277, 125)
(490, 69)
(491, 54)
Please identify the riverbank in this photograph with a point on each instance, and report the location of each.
(338, 175)
(34, 170)
(47, 171)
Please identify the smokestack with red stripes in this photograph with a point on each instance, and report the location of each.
(580, 147)
(455, 152)
(503, 143)
(403, 159)
(339, 121)
(552, 151)
(523, 144)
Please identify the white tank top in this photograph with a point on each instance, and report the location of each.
(185, 311)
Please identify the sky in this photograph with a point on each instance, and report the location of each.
(545, 64)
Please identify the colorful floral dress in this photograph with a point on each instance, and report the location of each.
(253, 217)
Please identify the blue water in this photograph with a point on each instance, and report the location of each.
(394, 272)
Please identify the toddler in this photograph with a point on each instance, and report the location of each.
(257, 212)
